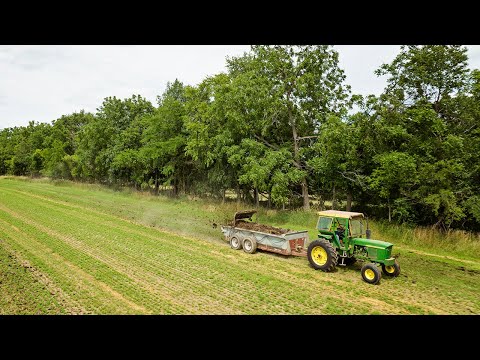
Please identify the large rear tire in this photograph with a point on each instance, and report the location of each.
(392, 270)
(322, 255)
(371, 274)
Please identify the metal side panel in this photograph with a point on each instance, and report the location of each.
(265, 239)
(296, 235)
(272, 241)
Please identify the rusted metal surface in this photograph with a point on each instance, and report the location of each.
(272, 249)
(297, 244)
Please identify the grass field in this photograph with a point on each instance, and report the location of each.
(82, 249)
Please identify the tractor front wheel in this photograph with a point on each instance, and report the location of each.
(322, 255)
(235, 243)
(371, 274)
(391, 270)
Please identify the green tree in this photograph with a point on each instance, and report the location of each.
(291, 91)
(423, 114)
(164, 140)
(101, 140)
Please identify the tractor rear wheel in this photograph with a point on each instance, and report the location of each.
(322, 255)
(249, 245)
(235, 243)
(371, 274)
(392, 270)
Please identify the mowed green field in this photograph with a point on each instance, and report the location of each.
(81, 249)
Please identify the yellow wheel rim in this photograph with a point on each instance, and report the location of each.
(369, 274)
(390, 269)
(319, 255)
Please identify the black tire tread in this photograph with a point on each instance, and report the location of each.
(332, 260)
(397, 270)
(372, 266)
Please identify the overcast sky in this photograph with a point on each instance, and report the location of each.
(43, 82)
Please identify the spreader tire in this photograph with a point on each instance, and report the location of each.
(235, 243)
(249, 245)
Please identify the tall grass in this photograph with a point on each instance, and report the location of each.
(459, 242)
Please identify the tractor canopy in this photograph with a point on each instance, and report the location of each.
(340, 214)
(329, 220)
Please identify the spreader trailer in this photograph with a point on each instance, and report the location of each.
(289, 243)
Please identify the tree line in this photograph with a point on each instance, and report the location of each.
(282, 124)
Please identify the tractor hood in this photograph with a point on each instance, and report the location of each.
(372, 243)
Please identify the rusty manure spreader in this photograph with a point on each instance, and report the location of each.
(343, 239)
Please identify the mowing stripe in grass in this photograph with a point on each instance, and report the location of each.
(196, 276)
(291, 285)
(155, 239)
(58, 220)
(53, 249)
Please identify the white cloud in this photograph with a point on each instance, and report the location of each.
(474, 56)
(42, 83)
(359, 63)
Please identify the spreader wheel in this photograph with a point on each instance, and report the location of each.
(249, 245)
(235, 243)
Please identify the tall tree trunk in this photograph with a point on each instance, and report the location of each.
(306, 199)
(389, 212)
(175, 188)
(349, 201)
(321, 203)
(257, 200)
(269, 200)
(184, 185)
(156, 182)
(334, 198)
(223, 196)
(296, 153)
(239, 194)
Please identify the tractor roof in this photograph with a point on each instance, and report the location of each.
(339, 214)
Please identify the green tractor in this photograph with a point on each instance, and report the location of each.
(344, 239)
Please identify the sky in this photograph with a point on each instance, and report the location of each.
(44, 82)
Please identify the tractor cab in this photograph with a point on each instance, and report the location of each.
(341, 226)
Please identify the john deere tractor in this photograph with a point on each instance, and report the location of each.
(343, 239)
